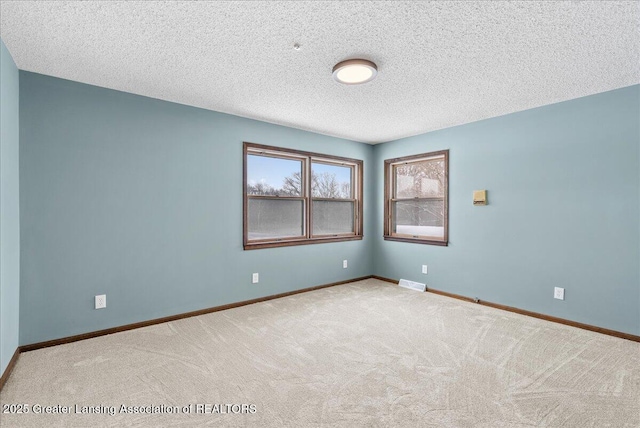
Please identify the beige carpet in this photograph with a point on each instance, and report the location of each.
(363, 354)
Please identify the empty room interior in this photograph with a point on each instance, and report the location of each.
(304, 214)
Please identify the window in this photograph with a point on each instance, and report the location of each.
(416, 198)
(295, 198)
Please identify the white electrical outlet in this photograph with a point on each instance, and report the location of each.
(255, 278)
(101, 301)
(344, 264)
(558, 293)
(424, 269)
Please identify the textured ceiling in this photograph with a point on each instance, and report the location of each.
(440, 63)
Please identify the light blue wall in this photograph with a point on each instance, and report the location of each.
(141, 200)
(9, 208)
(563, 187)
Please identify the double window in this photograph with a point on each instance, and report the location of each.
(416, 198)
(293, 197)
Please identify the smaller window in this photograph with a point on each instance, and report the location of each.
(416, 198)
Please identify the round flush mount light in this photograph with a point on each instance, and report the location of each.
(355, 71)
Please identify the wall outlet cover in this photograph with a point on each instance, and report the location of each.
(255, 278)
(101, 301)
(344, 264)
(558, 293)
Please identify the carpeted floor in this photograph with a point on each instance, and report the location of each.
(363, 354)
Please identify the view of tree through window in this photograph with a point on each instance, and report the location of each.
(333, 207)
(327, 181)
(293, 196)
(416, 198)
(271, 176)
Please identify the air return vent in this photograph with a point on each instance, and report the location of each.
(412, 285)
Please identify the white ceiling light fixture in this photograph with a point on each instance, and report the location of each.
(355, 71)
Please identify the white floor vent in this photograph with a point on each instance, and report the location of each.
(412, 285)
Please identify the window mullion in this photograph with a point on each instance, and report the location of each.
(334, 199)
(427, 198)
(275, 197)
(307, 194)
